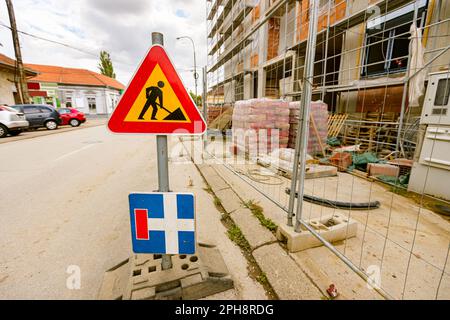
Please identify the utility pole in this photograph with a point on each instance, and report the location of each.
(204, 104)
(21, 84)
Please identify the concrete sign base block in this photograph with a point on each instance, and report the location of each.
(191, 277)
(332, 228)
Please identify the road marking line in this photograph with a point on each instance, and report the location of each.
(73, 152)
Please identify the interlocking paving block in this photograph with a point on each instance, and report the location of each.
(332, 228)
(252, 229)
(191, 277)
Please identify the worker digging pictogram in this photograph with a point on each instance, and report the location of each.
(154, 93)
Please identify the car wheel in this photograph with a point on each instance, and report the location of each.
(51, 125)
(3, 131)
(15, 132)
(74, 122)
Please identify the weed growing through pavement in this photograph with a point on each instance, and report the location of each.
(258, 212)
(235, 235)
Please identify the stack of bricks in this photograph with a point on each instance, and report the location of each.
(260, 125)
(319, 111)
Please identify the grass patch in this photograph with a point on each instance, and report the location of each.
(235, 234)
(262, 278)
(216, 201)
(258, 212)
(208, 189)
(399, 190)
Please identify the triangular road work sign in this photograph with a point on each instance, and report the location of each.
(156, 101)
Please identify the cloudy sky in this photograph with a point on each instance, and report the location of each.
(121, 27)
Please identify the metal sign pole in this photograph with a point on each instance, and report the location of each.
(163, 160)
(204, 103)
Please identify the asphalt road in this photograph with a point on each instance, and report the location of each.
(63, 203)
(64, 208)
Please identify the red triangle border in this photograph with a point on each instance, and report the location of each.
(156, 55)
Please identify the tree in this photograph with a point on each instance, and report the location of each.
(105, 65)
(197, 99)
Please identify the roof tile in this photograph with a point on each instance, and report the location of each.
(73, 76)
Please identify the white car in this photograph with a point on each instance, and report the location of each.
(11, 122)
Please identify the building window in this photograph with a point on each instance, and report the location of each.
(92, 104)
(387, 40)
(442, 92)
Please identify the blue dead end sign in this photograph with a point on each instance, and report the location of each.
(162, 222)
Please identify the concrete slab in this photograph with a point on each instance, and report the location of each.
(320, 171)
(284, 275)
(312, 262)
(215, 181)
(206, 169)
(229, 199)
(253, 231)
(332, 228)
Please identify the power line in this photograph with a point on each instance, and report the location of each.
(50, 40)
(78, 49)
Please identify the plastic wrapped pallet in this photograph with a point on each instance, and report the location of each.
(260, 125)
(319, 111)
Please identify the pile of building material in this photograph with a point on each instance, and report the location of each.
(282, 162)
(318, 129)
(373, 131)
(223, 121)
(260, 125)
(216, 111)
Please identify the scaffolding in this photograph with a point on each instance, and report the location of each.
(362, 70)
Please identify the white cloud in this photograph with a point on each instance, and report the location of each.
(120, 27)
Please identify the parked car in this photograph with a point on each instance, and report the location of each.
(11, 121)
(40, 115)
(71, 116)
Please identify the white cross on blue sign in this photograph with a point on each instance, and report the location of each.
(162, 222)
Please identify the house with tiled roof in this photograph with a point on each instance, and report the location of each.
(9, 78)
(85, 90)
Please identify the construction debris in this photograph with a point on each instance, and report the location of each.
(332, 291)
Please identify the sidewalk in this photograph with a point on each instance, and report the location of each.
(301, 275)
(184, 177)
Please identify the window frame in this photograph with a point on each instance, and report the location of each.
(382, 21)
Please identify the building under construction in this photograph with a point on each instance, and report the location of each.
(373, 61)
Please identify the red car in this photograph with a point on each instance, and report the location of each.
(71, 116)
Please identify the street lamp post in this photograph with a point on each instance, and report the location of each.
(195, 62)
